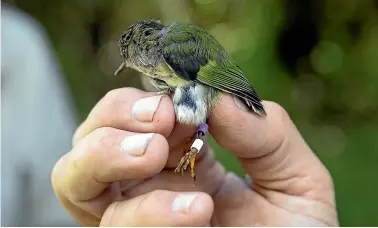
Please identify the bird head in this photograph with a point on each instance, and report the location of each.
(136, 35)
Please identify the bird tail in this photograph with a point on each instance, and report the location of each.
(257, 107)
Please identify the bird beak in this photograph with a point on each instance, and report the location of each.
(120, 68)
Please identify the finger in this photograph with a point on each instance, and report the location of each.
(138, 111)
(270, 148)
(105, 156)
(131, 110)
(161, 208)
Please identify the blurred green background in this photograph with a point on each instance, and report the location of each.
(317, 58)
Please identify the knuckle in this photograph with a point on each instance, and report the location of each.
(98, 138)
(117, 94)
(57, 173)
(108, 104)
(112, 94)
(113, 103)
(144, 209)
(102, 133)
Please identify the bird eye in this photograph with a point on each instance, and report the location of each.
(126, 36)
(147, 32)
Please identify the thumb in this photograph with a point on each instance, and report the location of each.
(161, 208)
(270, 148)
(245, 133)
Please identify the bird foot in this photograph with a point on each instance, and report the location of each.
(189, 158)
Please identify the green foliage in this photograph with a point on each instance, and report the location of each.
(330, 90)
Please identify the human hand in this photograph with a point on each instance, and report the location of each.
(288, 185)
(112, 177)
(87, 191)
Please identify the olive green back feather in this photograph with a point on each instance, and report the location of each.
(196, 55)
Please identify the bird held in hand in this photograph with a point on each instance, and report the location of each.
(189, 64)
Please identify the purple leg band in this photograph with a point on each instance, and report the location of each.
(203, 128)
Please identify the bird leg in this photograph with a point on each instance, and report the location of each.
(190, 157)
(120, 68)
(162, 87)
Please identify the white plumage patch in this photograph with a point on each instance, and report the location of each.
(191, 105)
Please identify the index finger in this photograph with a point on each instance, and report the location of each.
(131, 110)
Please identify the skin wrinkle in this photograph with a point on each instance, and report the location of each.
(267, 200)
(321, 199)
(126, 184)
(79, 214)
(100, 136)
(264, 193)
(112, 214)
(74, 210)
(283, 181)
(296, 182)
(137, 208)
(304, 192)
(92, 177)
(125, 191)
(269, 156)
(98, 205)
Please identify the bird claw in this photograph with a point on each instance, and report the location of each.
(190, 157)
(187, 159)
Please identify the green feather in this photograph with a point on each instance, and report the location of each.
(195, 55)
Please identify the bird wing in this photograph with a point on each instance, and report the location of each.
(197, 56)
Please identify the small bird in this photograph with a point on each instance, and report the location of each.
(189, 64)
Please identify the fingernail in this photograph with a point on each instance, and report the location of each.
(145, 108)
(240, 104)
(182, 202)
(135, 145)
